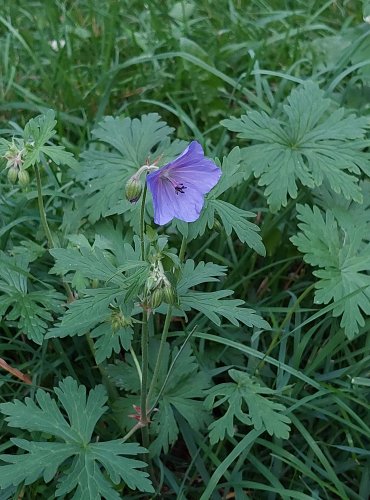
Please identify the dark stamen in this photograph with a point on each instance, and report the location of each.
(180, 188)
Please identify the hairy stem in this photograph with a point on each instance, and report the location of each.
(40, 200)
(132, 431)
(158, 363)
(144, 380)
(170, 370)
(45, 225)
(182, 248)
(142, 222)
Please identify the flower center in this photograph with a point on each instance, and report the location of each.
(179, 188)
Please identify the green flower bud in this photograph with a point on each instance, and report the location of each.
(168, 294)
(118, 320)
(156, 298)
(217, 226)
(23, 178)
(13, 175)
(94, 283)
(133, 189)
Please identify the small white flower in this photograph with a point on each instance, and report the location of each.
(367, 19)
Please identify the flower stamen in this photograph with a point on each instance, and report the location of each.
(180, 188)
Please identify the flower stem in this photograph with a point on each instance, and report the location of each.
(132, 431)
(136, 363)
(45, 225)
(144, 380)
(43, 218)
(144, 342)
(170, 370)
(142, 222)
(182, 248)
(158, 363)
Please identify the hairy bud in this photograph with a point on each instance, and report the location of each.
(133, 189)
(118, 320)
(156, 298)
(23, 178)
(168, 293)
(13, 175)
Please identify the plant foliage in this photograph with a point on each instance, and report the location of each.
(246, 391)
(343, 258)
(312, 142)
(72, 440)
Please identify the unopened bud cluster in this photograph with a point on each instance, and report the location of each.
(158, 288)
(118, 320)
(14, 162)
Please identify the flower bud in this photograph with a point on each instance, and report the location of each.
(118, 320)
(14, 157)
(133, 189)
(94, 283)
(217, 226)
(23, 178)
(168, 294)
(155, 300)
(13, 175)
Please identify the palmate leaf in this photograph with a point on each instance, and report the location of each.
(132, 142)
(309, 144)
(96, 313)
(37, 132)
(103, 261)
(104, 312)
(246, 391)
(344, 259)
(192, 275)
(46, 459)
(111, 339)
(232, 218)
(214, 304)
(32, 310)
(348, 213)
(85, 313)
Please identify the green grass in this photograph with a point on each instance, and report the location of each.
(195, 64)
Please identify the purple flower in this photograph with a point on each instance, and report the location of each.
(179, 187)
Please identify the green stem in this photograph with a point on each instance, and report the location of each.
(46, 227)
(144, 420)
(171, 369)
(158, 363)
(142, 222)
(182, 249)
(137, 426)
(287, 318)
(136, 363)
(144, 380)
(43, 218)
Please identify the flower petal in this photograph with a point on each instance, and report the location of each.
(186, 206)
(192, 168)
(195, 174)
(163, 210)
